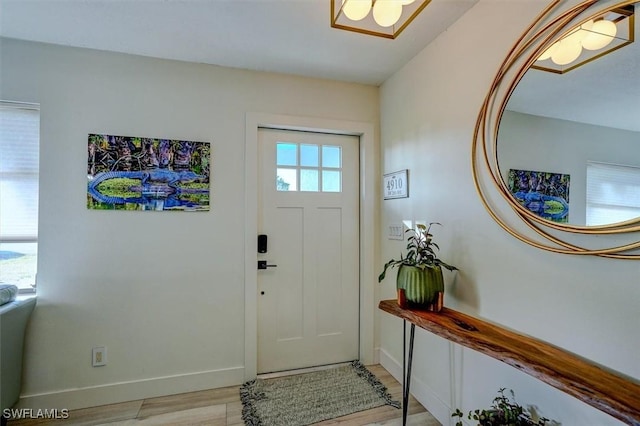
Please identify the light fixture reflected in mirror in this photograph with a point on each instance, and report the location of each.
(382, 18)
(589, 41)
(618, 240)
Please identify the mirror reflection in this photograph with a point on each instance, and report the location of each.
(569, 143)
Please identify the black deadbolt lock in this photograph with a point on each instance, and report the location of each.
(262, 243)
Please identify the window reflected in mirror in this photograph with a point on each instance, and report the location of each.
(562, 123)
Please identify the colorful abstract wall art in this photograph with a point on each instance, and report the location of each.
(545, 194)
(135, 173)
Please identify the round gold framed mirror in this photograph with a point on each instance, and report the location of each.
(539, 155)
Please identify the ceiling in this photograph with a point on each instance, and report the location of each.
(285, 36)
(295, 37)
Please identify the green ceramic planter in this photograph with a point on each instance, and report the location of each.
(420, 286)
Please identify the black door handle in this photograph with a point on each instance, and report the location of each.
(262, 264)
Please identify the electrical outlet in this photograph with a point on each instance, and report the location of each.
(99, 356)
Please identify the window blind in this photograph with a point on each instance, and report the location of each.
(19, 168)
(613, 193)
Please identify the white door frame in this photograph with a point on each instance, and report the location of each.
(368, 196)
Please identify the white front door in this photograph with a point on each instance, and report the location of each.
(308, 305)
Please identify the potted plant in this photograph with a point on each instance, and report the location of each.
(504, 411)
(419, 281)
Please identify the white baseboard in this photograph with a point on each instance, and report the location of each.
(113, 393)
(420, 390)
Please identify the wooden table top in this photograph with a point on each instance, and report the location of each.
(602, 388)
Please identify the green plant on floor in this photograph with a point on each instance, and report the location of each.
(504, 411)
(421, 251)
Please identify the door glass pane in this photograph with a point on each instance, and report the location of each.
(287, 154)
(286, 180)
(330, 156)
(309, 180)
(331, 181)
(309, 155)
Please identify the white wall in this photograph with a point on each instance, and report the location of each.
(586, 305)
(529, 142)
(163, 291)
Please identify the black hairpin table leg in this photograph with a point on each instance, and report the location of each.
(406, 368)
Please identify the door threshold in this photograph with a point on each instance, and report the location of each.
(301, 370)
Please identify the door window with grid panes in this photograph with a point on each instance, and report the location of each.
(308, 167)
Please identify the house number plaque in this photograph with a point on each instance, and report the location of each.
(396, 185)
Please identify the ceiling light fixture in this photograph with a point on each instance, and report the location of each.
(589, 41)
(382, 18)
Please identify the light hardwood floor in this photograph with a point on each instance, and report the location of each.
(223, 407)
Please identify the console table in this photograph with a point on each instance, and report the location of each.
(603, 389)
